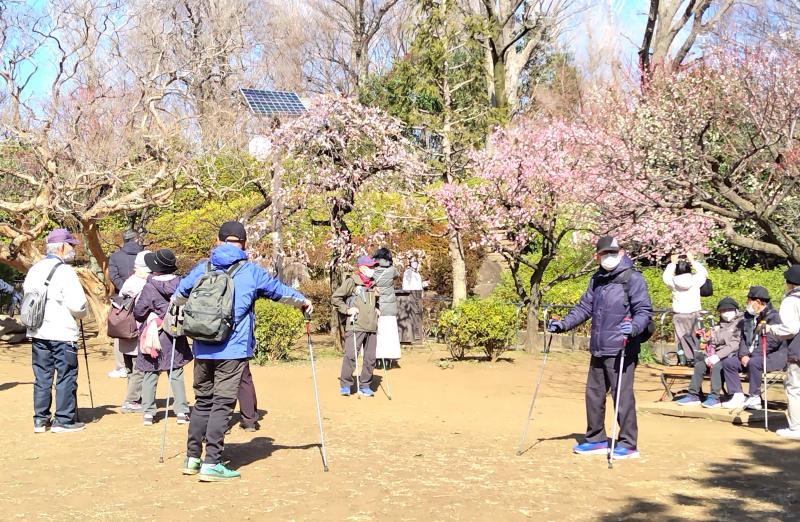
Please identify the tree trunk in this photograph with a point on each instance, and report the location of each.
(277, 225)
(532, 320)
(96, 299)
(91, 235)
(456, 251)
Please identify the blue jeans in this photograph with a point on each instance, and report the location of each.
(59, 358)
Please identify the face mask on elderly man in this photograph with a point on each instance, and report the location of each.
(610, 261)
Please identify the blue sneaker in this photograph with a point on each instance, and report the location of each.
(712, 402)
(622, 453)
(344, 390)
(366, 392)
(689, 400)
(591, 448)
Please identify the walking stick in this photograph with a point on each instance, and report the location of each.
(169, 389)
(764, 374)
(88, 375)
(616, 404)
(388, 388)
(545, 350)
(316, 393)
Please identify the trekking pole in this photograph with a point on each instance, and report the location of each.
(316, 393)
(545, 350)
(355, 353)
(169, 389)
(764, 374)
(88, 375)
(388, 389)
(616, 404)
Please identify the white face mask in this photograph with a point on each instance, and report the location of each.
(69, 257)
(751, 311)
(414, 265)
(610, 261)
(367, 271)
(728, 316)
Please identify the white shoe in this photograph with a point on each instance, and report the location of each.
(753, 403)
(118, 374)
(789, 433)
(737, 401)
(148, 419)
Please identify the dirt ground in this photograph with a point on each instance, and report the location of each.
(442, 449)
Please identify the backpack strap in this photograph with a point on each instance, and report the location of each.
(625, 282)
(50, 275)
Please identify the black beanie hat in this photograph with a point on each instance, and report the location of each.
(792, 275)
(727, 303)
(758, 292)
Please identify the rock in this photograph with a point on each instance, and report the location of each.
(17, 338)
(10, 325)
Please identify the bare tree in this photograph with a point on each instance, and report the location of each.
(669, 21)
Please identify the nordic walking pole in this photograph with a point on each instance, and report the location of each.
(545, 350)
(316, 393)
(88, 375)
(616, 403)
(386, 375)
(169, 389)
(764, 373)
(355, 353)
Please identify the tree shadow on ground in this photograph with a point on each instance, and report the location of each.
(88, 415)
(764, 486)
(8, 385)
(242, 454)
(478, 358)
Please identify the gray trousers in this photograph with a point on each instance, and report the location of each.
(792, 385)
(700, 367)
(134, 391)
(149, 384)
(602, 379)
(684, 324)
(367, 341)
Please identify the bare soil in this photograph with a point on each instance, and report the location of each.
(442, 449)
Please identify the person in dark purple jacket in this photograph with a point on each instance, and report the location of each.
(619, 315)
(154, 299)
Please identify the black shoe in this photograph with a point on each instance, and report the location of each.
(250, 427)
(41, 425)
(66, 428)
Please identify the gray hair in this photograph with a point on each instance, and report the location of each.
(52, 248)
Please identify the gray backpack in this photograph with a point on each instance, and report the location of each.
(31, 311)
(208, 312)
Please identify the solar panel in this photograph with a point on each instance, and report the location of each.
(273, 102)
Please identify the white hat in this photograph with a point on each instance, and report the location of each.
(138, 263)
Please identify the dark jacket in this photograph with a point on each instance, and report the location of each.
(249, 283)
(155, 298)
(605, 303)
(120, 264)
(352, 292)
(749, 340)
(385, 275)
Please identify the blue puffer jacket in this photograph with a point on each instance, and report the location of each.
(604, 303)
(250, 282)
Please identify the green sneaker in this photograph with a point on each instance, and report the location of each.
(217, 473)
(191, 466)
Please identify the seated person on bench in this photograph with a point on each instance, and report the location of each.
(722, 341)
(751, 360)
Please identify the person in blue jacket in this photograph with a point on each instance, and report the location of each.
(218, 367)
(619, 306)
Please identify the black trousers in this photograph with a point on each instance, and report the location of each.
(602, 379)
(248, 402)
(216, 386)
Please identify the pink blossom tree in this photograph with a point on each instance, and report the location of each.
(544, 183)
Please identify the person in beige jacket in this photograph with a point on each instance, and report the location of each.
(724, 340)
(356, 298)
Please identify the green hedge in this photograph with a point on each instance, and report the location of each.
(278, 327)
(486, 324)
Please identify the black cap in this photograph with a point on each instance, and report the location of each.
(758, 292)
(727, 303)
(607, 244)
(232, 229)
(162, 261)
(792, 275)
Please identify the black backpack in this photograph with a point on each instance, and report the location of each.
(707, 290)
(650, 329)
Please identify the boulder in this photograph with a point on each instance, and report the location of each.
(10, 325)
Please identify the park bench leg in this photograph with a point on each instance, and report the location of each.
(667, 392)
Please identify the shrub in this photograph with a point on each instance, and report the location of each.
(486, 324)
(277, 329)
(319, 292)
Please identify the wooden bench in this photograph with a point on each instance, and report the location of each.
(669, 375)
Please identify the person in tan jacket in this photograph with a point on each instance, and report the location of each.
(356, 298)
(723, 340)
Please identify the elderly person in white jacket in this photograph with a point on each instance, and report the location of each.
(55, 342)
(684, 278)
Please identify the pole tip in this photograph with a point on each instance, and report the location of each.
(326, 469)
